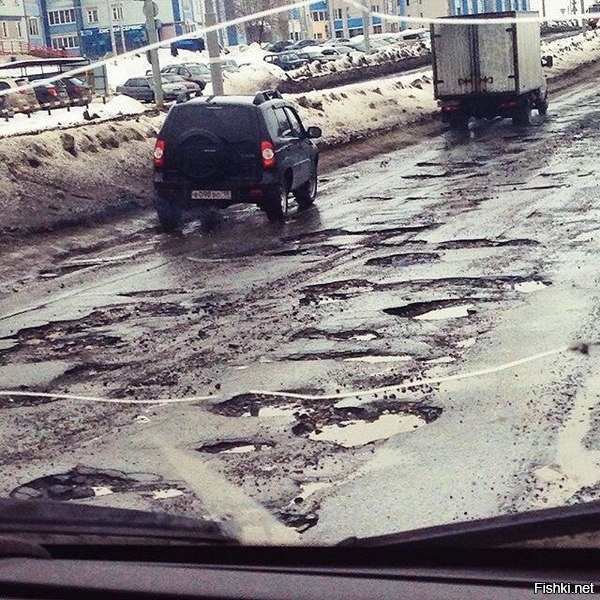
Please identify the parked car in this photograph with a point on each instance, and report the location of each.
(190, 86)
(288, 61)
(278, 46)
(223, 150)
(24, 101)
(52, 95)
(197, 72)
(229, 65)
(303, 44)
(374, 45)
(5, 110)
(79, 91)
(142, 89)
(194, 44)
(312, 54)
(341, 41)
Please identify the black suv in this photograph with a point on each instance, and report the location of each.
(223, 150)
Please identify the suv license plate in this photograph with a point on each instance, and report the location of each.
(211, 195)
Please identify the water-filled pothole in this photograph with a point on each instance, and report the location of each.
(355, 335)
(483, 243)
(436, 309)
(358, 433)
(403, 259)
(530, 286)
(88, 482)
(346, 423)
(234, 447)
(379, 358)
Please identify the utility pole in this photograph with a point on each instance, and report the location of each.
(214, 57)
(150, 12)
(113, 41)
(367, 24)
(583, 24)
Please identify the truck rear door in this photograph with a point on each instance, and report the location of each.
(496, 57)
(453, 64)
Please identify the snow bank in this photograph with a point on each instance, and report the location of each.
(60, 118)
(569, 53)
(357, 110)
(356, 61)
(252, 78)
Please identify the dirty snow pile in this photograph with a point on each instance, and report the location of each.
(572, 52)
(59, 118)
(356, 110)
(252, 78)
(353, 61)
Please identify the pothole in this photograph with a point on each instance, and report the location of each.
(88, 482)
(358, 335)
(380, 358)
(433, 310)
(348, 422)
(234, 447)
(483, 243)
(530, 286)
(403, 259)
(351, 434)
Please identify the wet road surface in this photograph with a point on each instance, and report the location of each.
(464, 252)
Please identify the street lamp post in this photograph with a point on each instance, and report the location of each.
(113, 41)
(212, 42)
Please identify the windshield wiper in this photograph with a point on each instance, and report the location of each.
(505, 530)
(53, 520)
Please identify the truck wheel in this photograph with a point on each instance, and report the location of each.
(169, 213)
(306, 193)
(523, 115)
(458, 122)
(277, 204)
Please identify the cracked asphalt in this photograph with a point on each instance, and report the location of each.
(463, 252)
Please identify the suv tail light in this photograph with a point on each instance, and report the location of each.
(77, 89)
(268, 154)
(52, 91)
(159, 153)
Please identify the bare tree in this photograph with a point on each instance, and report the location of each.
(267, 28)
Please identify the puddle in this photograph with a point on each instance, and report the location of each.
(530, 286)
(374, 358)
(167, 493)
(87, 482)
(404, 259)
(364, 337)
(484, 243)
(351, 434)
(234, 447)
(433, 310)
(451, 312)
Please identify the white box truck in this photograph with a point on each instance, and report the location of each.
(489, 70)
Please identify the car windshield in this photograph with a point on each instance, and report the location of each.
(314, 304)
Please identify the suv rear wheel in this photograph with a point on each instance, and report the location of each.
(306, 193)
(277, 204)
(169, 213)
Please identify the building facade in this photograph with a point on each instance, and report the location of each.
(13, 27)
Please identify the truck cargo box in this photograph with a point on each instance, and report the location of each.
(490, 58)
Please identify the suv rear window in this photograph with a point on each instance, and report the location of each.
(231, 123)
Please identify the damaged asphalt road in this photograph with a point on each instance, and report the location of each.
(463, 252)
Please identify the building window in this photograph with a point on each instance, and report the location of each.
(92, 15)
(376, 28)
(33, 26)
(4, 29)
(337, 13)
(117, 12)
(61, 17)
(375, 8)
(19, 30)
(65, 41)
(319, 36)
(318, 15)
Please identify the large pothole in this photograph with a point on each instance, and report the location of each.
(88, 482)
(449, 308)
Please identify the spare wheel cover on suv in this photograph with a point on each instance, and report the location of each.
(200, 154)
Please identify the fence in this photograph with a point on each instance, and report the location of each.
(8, 47)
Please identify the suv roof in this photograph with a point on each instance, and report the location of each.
(256, 100)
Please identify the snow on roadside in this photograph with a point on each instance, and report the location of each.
(572, 51)
(61, 117)
(359, 109)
